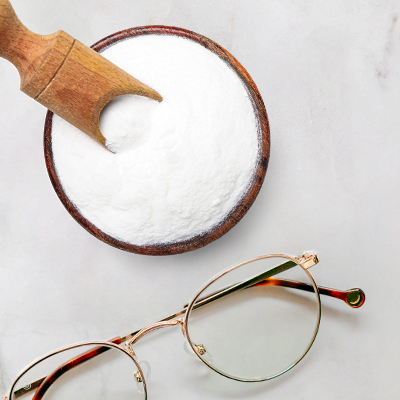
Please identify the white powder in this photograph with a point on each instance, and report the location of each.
(181, 165)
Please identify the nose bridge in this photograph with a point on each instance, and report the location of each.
(151, 328)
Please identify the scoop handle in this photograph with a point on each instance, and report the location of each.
(14, 37)
(18, 44)
(37, 57)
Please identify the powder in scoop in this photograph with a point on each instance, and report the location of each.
(180, 166)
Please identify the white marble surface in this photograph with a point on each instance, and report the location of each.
(329, 75)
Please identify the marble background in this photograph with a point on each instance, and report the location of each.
(329, 75)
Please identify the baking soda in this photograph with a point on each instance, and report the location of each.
(180, 166)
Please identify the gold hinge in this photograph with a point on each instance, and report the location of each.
(308, 259)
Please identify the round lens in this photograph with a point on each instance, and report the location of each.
(257, 320)
(82, 372)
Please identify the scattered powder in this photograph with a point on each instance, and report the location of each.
(181, 165)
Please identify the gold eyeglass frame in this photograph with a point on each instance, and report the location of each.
(306, 261)
(353, 297)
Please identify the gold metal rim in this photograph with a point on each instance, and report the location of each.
(297, 260)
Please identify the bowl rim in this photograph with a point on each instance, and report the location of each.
(237, 213)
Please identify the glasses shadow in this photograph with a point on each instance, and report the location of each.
(214, 384)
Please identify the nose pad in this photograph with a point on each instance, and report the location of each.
(200, 349)
(145, 367)
(198, 368)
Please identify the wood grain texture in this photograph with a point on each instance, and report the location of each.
(84, 84)
(64, 75)
(243, 205)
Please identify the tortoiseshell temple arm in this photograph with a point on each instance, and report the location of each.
(44, 383)
(353, 297)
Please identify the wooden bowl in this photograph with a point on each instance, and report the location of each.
(247, 200)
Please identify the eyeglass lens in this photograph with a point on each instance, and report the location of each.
(112, 375)
(261, 331)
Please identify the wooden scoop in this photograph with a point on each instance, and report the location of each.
(63, 74)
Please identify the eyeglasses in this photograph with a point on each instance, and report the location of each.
(252, 322)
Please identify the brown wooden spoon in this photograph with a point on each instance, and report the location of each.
(63, 74)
